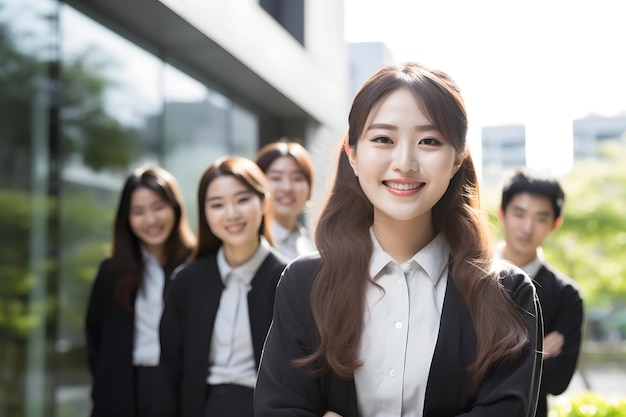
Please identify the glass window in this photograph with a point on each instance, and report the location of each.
(201, 125)
(80, 107)
(111, 99)
(27, 52)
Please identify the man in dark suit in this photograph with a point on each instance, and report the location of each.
(530, 210)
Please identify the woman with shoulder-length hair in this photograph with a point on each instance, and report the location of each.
(151, 237)
(290, 176)
(404, 311)
(219, 305)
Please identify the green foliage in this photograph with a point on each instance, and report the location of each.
(18, 276)
(591, 244)
(88, 130)
(589, 404)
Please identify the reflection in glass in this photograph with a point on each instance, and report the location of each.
(27, 45)
(110, 96)
(67, 141)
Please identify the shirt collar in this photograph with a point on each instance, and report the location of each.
(247, 270)
(531, 268)
(147, 256)
(279, 232)
(433, 258)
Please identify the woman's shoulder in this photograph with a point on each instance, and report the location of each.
(511, 277)
(106, 270)
(276, 259)
(194, 269)
(301, 271)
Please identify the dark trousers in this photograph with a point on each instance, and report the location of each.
(144, 389)
(229, 400)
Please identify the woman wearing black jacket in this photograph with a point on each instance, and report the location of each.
(403, 312)
(151, 237)
(218, 308)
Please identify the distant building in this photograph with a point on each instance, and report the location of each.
(591, 131)
(365, 58)
(504, 147)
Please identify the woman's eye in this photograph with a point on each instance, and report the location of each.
(382, 139)
(430, 141)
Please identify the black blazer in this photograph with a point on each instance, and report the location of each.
(562, 306)
(191, 305)
(109, 332)
(509, 389)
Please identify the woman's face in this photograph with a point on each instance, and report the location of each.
(234, 213)
(151, 219)
(290, 188)
(403, 163)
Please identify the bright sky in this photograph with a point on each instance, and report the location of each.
(537, 62)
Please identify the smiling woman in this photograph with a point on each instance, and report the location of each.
(151, 238)
(403, 310)
(219, 305)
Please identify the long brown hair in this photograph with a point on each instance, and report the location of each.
(342, 236)
(251, 176)
(126, 252)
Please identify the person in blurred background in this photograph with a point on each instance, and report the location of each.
(218, 307)
(290, 176)
(151, 237)
(531, 209)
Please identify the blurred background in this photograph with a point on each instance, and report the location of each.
(91, 89)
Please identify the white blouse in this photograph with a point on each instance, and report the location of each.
(401, 326)
(292, 243)
(148, 310)
(231, 355)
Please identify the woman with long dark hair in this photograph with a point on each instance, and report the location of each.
(404, 311)
(219, 305)
(151, 237)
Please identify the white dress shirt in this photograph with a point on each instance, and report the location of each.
(401, 326)
(148, 310)
(531, 268)
(292, 243)
(231, 356)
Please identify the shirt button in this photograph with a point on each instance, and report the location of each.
(406, 267)
(393, 372)
(398, 325)
(399, 282)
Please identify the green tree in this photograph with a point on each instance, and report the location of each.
(591, 244)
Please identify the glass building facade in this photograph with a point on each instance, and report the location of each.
(80, 107)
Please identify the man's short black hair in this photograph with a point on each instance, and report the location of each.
(524, 182)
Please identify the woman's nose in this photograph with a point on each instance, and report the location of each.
(285, 183)
(231, 211)
(405, 158)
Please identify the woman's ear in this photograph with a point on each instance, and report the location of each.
(351, 154)
(266, 203)
(558, 222)
(455, 169)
